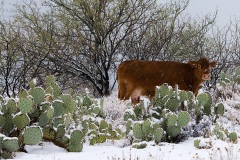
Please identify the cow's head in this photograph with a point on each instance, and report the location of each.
(202, 68)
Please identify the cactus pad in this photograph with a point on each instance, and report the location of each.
(219, 109)
(57, 122)
(128, 126)
(50, 112)
(76, 136)
(103, 127)
(55, 89)
(11, 144)
(75, 147)
(43, 119)
(87, 101)
(172, 104)
(60, 131)
(197, 143)
(172, 120)
(23, 94)
(146, 127)
(75, 142)
(25, 105)
(2, 120)
(32, 135)
(139, 145)
(182, 96)
(59, 108)
(137, 131)
(69, 103)
(21, 121)
(10, 107)
(157, 135)
(8, 126)
(38, 95)
(50, 79)
(173, 131)
(49, 133)
(202, 99)
(129, 114)
(163, 90)
(190, 95)
(101, 138)
(183, 118)
(233, 137)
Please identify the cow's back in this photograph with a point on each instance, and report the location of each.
(155, 72)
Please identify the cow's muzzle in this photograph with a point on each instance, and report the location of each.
(206, 77)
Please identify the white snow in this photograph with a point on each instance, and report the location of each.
(166, 151)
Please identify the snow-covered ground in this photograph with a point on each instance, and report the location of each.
(117, 150)
(165, 151)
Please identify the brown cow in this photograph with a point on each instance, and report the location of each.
(137, 78)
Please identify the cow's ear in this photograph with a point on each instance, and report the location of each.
(213, 64)
(195, 64)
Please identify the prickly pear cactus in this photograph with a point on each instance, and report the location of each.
(60, 131)
(32, 135)
(173, 131)
(50, 79)
(38, 95)
(197, 143)
(219, 109)
(183, 118)
(49, 133)
(157, 134)
(9, 125)
(43, 119)
(33, 117)
(237, 75)
(172, 104)
(129, 114)
(21, 121)
(87, 101)
(10, 106)
(2, 121)
(208, 106)
(233, 137)
(69, 103)
(101, 138)
(10, 144)
(53, 87)
(103, 127)
(59, 108)
(225, 79)
(128, 126)
(25, 105)
(182, 96)
(140, 145)
(146, 127)
(202, 99)
(23, 94)
(137, 131)
(163, 91)
(172, 120)
(75, 142)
